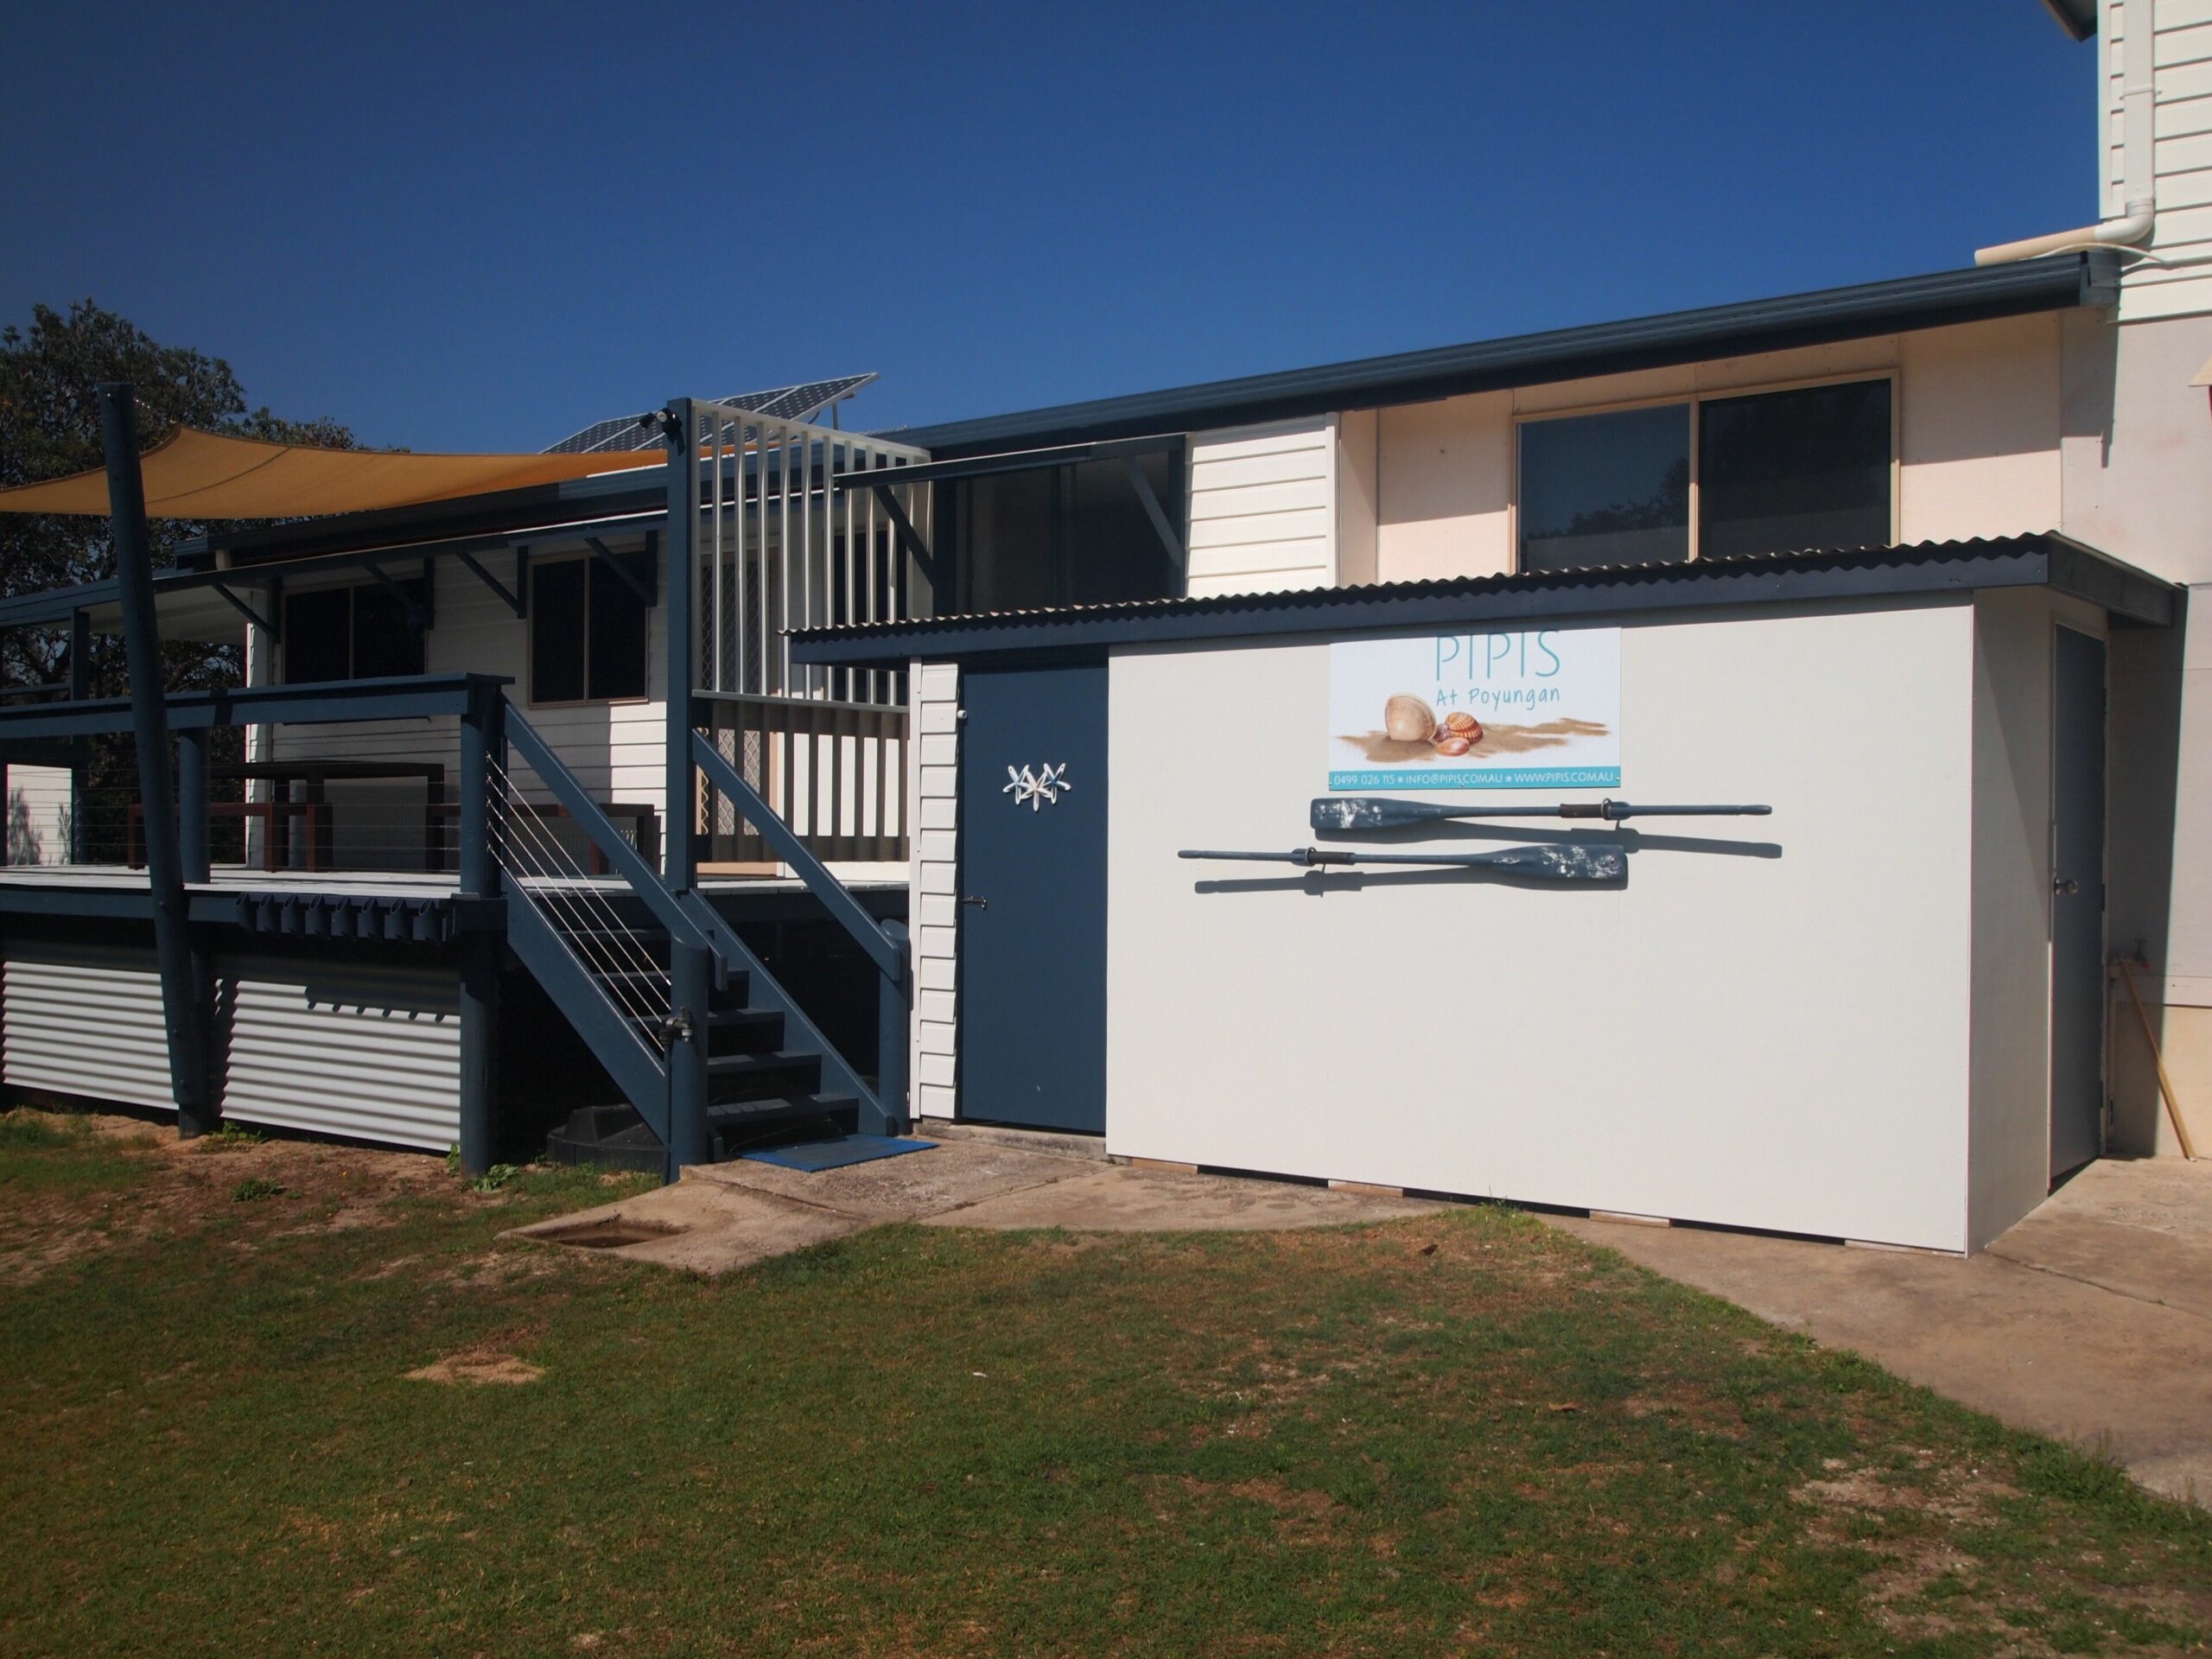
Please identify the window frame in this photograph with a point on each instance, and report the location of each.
(1689, 401)
(586, 557)
(353, 590)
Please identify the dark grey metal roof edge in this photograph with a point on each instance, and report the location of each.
(1918, 568)
(1894, 306)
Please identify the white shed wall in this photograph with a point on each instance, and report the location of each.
(1778, 1042)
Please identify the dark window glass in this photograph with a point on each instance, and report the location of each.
(315, 635)
(1791, 471)
(1005, 541)
(1068, 535)
(557, 632)
(617, 664)
(1605, 489)
(1116, 552)
(387, 637)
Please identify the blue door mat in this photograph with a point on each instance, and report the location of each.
(815, 1156)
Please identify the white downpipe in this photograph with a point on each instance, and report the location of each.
(2141, 211)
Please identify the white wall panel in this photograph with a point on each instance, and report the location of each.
(37, 825)
(1770, 1041)
(84, 1019)
(1262, 508)
(933, 783)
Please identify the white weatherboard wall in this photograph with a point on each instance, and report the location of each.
(933, 785)
(363, 1050)
(2178, 35)
(1779, 1042)
(1263, 508)
(614, 748)
(37, 816)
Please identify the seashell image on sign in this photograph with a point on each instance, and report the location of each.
(1537, 709)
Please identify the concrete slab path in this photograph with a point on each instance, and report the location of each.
(722, 1216)
(2090, 1321)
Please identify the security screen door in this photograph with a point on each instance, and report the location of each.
(1032, 897)
(2077, 902)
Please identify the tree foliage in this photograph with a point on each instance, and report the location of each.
(50, 427)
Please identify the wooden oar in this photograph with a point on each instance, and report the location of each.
(1567, 861)
(1343, 813)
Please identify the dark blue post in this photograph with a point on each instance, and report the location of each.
(894, 1015)
(690, 966)
(192, 803)
(679, 851)
(483, 757)
(80, 748)
(183, 1006)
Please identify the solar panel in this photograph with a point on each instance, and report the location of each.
(799, 403)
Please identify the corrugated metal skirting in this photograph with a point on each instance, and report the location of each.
(367, 1050)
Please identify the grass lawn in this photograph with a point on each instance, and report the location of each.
(340, 1417)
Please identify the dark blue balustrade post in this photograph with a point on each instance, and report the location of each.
(679, 851)
(894, 1015)
(483, 756)
(80, 748)
(192, 854)
(691, 967)
(184, 1002)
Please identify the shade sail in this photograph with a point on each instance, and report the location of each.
(195, 475)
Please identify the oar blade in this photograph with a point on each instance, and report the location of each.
(1344, 814)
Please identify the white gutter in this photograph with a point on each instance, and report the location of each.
(2133, 225)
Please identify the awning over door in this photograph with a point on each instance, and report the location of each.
(195, 475)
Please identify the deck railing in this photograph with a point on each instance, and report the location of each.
(834, 772)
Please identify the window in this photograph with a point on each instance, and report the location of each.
(354, 634)
(1073, 534)
(587, 628)
(1770, 472)
(1785, 471)
(1605, 489)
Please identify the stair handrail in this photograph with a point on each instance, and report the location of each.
(889, 960)
(621, 857)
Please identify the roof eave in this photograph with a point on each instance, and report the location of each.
(1823, 317)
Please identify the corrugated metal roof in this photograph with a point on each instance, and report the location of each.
(1793, 320)
(1919, 567)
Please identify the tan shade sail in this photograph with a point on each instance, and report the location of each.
(195, 475)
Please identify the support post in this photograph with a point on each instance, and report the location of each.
(691, 969)
(679, 843)
(192, 856)
(184, 1005)
(80, 748)
(483, 746)
(893, 1032)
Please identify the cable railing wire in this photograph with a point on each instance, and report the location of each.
(549, 875)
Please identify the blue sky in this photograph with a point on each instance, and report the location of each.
(478, 227)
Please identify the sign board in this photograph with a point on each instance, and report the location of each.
(1533, 709)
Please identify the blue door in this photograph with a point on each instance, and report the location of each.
(1032, 897)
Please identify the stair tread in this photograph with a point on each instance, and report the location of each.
(780, 1105)
(776, 1060)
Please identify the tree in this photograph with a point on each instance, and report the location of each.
(50, 427)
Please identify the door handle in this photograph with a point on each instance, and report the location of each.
(2065, 884)
(980, 904)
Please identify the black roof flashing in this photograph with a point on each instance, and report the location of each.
(1916, 569)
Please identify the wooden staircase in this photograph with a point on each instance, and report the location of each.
(764, 1082)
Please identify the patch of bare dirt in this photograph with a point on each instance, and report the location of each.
(479, 1366)
(180, 1185)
